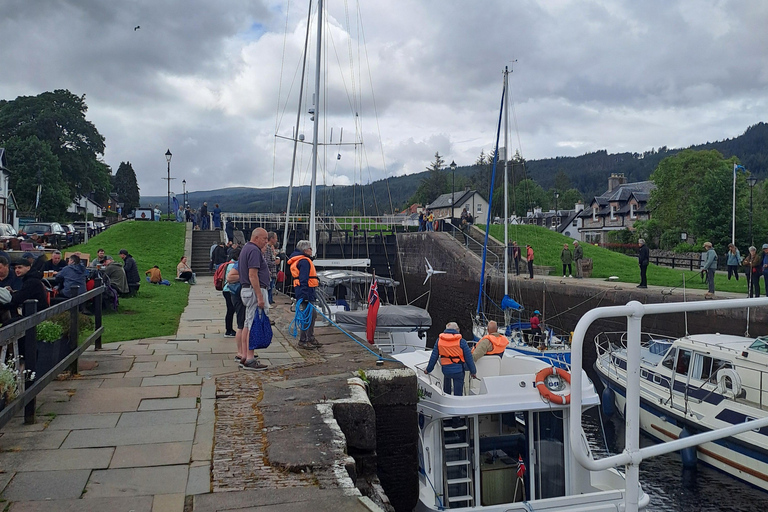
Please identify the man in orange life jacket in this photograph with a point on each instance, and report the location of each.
(304, 284)
(492, 343)
(454, 354)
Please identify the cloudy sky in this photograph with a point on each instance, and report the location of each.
(216, 81)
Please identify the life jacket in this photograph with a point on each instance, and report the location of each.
(499, 343)
(449, 347)
(312, 282)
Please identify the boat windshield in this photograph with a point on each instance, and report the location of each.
(760, 344)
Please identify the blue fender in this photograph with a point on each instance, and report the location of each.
(688, 454)
(608, 401)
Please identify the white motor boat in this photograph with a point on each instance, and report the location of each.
(694, 384)
(505, 445)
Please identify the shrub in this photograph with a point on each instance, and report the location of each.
(84, 323)
(49, 331)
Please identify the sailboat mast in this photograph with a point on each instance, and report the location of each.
(313, 193)
(506, 181)
(296, 133)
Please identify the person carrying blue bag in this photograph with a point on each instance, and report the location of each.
(260, 335)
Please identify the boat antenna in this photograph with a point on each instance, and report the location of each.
(315, 130)
(746, 333)
(295, 135)
(490, 202)
(685, 313)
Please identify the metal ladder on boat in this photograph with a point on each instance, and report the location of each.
(458, 486)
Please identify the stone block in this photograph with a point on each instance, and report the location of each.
(137, 481)
(46, 485)
(152, 418)
(161, 454)
(168, 403)
(131, 504)
(83, 421)
(358, 422)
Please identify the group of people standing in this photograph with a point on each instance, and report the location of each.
(200, 218)
(568, 258)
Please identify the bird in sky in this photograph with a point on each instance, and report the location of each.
(137, 27)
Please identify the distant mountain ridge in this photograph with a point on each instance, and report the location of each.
(588, 173)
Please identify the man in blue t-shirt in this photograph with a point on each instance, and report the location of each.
(254, 281)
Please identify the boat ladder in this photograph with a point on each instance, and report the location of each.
(458, 487)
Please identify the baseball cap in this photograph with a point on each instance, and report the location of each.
(537, 312)
(765, 246)
(27, 255)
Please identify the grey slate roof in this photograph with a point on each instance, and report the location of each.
(444, 201)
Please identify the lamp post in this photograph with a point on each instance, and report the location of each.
(168, 156)
(557, 218)
(184, 192)
(453, 188)
(751, 181)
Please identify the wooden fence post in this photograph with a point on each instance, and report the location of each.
(30, 360)
(73, 328)
(97, 304)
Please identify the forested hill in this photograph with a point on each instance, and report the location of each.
(588, 173)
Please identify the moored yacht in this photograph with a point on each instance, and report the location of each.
(505, 445)
(694, 384)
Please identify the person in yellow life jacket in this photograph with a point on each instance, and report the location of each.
(492, 343)
(454, 355)
(304, 284)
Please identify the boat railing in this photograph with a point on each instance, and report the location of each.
(633, 454)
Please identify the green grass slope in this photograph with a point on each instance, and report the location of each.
(548, 244)
(156, 310)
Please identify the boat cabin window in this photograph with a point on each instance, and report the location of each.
(550, 454)
(503, 440)
(706, 367)
(678, 360)
(760, 344)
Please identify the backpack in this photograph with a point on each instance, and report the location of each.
(218, 276)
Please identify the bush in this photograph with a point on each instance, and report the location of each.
(84, 323)
(49, 331)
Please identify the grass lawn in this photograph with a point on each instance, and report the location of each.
(156, 310)
(548, 244)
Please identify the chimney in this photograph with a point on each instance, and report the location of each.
(579, 207)
(537, 210)
(615, 180)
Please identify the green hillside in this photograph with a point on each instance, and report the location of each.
(155, 310)
(548, 244)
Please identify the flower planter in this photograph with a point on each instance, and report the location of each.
(49, 354)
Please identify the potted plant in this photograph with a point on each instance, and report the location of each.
(51, 346)
(8, 384)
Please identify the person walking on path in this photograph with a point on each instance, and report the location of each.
(254, 281)
(578, 254)
(454, 355)
(204, 220)
(304, 283)
(709, 267)
(733, 261)
(752, 266)
(643, 259)
(514, 255)
(529, 259)
(270, 253)
(566, 257)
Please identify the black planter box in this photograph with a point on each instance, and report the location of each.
(49, 354)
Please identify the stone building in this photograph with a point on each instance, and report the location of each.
(475, 204)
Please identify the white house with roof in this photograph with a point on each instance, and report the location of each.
(451, 205)
(86, 205)
(6, 216)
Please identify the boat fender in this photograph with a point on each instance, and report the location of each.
(545, 392)
(724, 375)
(609, 405)
(688, 454)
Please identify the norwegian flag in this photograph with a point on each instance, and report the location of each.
(373, 310)
(520, 467)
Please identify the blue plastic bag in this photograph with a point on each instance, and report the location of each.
(261, 331)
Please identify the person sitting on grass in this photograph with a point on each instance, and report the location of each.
(73, 274)
(184, 271)
(155, 277)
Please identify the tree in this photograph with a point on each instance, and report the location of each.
(127, 187)
(527, 195)
(434, 184)
(31, 163)
(58, 118)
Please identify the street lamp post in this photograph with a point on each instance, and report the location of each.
(453, 189)
(184, 192)
(557, 218)
(751, 181)
(168, 156)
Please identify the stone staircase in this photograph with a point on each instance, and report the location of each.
(201, 250)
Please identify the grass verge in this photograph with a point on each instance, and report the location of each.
(548, 244)
(155, 310)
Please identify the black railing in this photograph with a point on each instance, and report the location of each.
(22, 336)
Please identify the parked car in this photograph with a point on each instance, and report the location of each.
(100, 226)
(73, 236)
(82, 226)
(8, 236)
(51, 232)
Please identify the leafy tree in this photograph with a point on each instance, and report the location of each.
(126, 186)
(562, 182)
(568, 199)
(527, 195)
(712, 209)
(58, 118)
(31, 163)
(434, 184)
(650, 230)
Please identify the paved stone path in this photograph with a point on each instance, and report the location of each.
(135, 430)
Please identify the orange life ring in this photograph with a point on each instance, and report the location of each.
(545, 392)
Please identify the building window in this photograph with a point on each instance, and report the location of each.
(613, 217)
(594, 214)
(632, 211)
(479, 208)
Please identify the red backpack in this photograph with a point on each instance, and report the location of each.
(218, 276)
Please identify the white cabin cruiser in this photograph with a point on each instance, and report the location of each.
(693, 384)
(503, 446)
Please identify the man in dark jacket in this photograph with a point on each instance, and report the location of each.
(71, 275)
(304, 283)
(643, 258)
(219, 255)
(32, 287)
(8, 277)
(131, 270)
